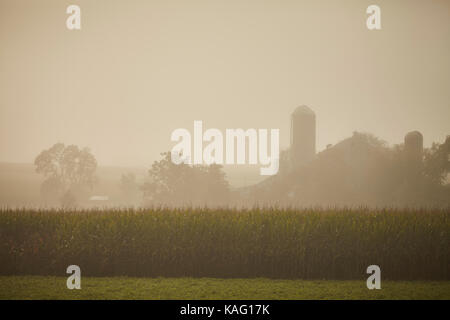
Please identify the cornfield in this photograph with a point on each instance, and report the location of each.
(315, 243)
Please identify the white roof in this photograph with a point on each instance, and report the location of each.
(99, 198)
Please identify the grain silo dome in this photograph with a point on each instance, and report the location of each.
(413, 136)
(414, 141)
(303, 110)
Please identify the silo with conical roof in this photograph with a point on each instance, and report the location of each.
(303, 135)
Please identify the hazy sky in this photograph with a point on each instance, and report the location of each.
(140, 69)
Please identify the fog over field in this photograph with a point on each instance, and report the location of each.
(20, 184)
(137, 71)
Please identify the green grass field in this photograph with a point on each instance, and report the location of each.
(38, 287)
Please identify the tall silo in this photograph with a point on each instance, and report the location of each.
(413, 156)
(414, 146)
(303, 135)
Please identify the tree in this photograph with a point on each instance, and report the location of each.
(68, 171)
(437, 162)
(181, 184)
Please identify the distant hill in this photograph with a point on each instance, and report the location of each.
(20, 184)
